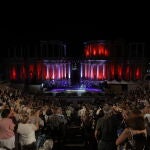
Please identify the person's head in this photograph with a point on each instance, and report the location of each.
(24, 118)
(107, 109)
(136, 123)
(33, 111)
(5, 113)
(83, 107)
(134, 113)
(135, 119)
(55, 110)
(48, 112)
(59, 110)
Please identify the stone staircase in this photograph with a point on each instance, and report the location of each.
(74, 138)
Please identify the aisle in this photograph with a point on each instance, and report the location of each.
(74, 138)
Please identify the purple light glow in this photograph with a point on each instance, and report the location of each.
(76, 90)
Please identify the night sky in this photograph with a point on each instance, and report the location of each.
(72, 34)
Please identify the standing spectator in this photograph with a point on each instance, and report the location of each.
(56, 127)
(81, 112)
(27, 133)
(135, 132)
(106, 130)
(7, 137)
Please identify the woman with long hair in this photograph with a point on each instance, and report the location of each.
(134, 135)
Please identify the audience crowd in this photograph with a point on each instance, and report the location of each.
(29, 122)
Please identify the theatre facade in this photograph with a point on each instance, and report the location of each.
(114, 62)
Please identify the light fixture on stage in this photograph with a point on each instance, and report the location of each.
(42, 85)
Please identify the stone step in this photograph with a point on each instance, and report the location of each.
(69, 141)
(74, 146)
(72, 133)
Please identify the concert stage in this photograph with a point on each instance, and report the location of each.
(72, 90)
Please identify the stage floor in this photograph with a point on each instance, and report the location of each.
(75, 90)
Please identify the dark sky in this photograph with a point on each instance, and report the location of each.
(73, 34)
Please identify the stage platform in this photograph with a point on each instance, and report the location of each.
(78, 91)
